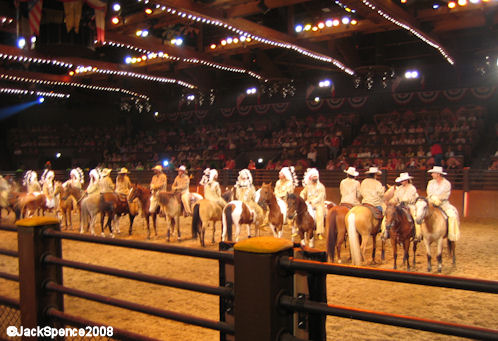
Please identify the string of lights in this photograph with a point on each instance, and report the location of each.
(72, 84)
(86, 69)
(412, 30)
(11, 91)
(153, 55)
(211, 21)
(24, 59)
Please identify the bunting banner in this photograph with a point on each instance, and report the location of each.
(335, 103)
(454, 94)
(403, 97)
(200, 114)
(261, 108)
(483, 92)
(72, 14)
(357, 102)
(100, 11)
(280, 108)
(427, 96)
(173, 116)
(314, 105)
(186, 115)
(244, 110)
(227, 112)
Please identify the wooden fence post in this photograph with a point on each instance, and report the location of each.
(258, 283)
(32, 246)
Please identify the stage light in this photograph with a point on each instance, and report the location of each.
(116, 7)
(165, 163)
(346, 20)
(451, 4)
(223, 42)
(435, 5)
(213, 46)
(411, 74)
(41, 99)
(321, 25)
(335, 22)
(128, 60)
(145, 33)
(307, 27)
(317, 99)
(251, 91)
(260, 160)
(58, 155)
(354, 22)
(21, 43)
(33, 39)
(138, 33)
(324, 83)
(298, 28)
(328, 23)
(191, 97)
(462, 2)
(115, 20)
(148, 11)
(156, 114)
(229, 40)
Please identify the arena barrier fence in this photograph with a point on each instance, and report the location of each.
(269, 289)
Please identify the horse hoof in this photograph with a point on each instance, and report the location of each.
(102, 234)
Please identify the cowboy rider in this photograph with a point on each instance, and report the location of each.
(105, 183)
(438, 193)
(350, 188)
(181, 185)
(123, 183)
(314, 194)
(372, 190)
(158, 183)
(405, 194)
(212, 190)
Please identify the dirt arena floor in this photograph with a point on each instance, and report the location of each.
(477, 257)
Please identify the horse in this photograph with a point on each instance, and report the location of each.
(114, 206)
(66, 193)
(277, 208)
(336, 230)
(434, 229)
(229, 194)
(401, 229)
(305, 222)
(361, 220)
(204, 212)
(236, 213)
(143, 194)
(29, 203)
(89, 209)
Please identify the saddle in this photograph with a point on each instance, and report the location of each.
(345, 204)
(122, 197)
(377, 214)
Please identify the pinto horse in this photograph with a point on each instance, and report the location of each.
(360, 220)
(236, 213)
(112, 205)
(205, 212)
(143, 194)
(305, 222)
(336, 230)
(277, 215)
(434, 229)
(401, 229)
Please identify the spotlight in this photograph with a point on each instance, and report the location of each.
(33, 39)
(165, 163)
(325, 83)
(21, 43)
(115, 20)
(190, 97)
(462, 2)
(435, 5)
(451, 4)
(41, 99)
(346, 20)
(354, 22)
(116, 7)
(298, 28)
(148, 11)
(145, 33)
(58, 155)
(335, 22)
(321, 25)
(260, 160)
(328, 23)
(156, 114)
(307, 27)
(317, 99)
(213, 46)
(229, 40)
(251, 91)
(128, 60)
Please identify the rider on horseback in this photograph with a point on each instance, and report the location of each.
(31, 182)
(93, 186)
(286, 183)
(123, 183)
(212, 190)
(406, 195)
(158, 183)
(438, 193)
(314, 194)
(48, 185)
(105, 183)
(181, 185)
(372, 191)
(350, 188)
(245, 191)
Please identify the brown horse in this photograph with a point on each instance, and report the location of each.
(336, 230)
(30, 203)
(401, 229)
(205, 212)
(297, 207)
(277, 208)
(171, 205)
(143, 194)
(360, 220)
(114, 206)
(68, 195)
(434, 229)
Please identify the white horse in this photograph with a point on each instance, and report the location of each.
(89, 211)
(237, 213)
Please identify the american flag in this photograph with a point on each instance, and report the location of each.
(35, 13)
(100, 8)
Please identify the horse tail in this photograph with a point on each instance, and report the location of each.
(195, 220)
(228, 221)
(354, 243)
(331, 235)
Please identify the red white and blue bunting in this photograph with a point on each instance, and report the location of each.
(314, 105)
(280, 108)
(261, 108)
(428, 96)
(403, 97)
(227, 112)
(454, 94)
(335, 103)
(244, 109)
(357, 102)
(483, 92)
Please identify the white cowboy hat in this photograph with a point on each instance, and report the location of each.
(351, 171)
(158, 168)
(105, 172)
(123, 171)
(182, 168)
(402, 177)
(437, 169)
(373, 170)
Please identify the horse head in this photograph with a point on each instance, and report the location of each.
(421, 209)
(391, 215)
(291, 205)
(134, 192)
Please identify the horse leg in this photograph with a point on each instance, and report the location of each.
(451, 249)
(214, 230)
(311, 239)
(406, 257)
(102, 217)
(374, 240)
(429, 257)
(440, 255)
(414, 252)
(383, 251)
(303, 237)
(132, 219)
(273, 229)
(395, 250)
(178, 233)
(154, 218)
